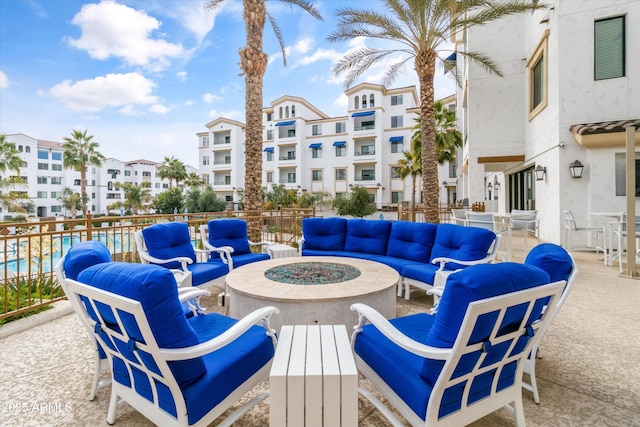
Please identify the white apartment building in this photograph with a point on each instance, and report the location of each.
(46, 178)
(571, 87)
(306, 150)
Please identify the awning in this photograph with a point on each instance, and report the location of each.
(316, 145)
(340, 143)
(451, 57)
(396, 139)
(268, 150)
(287, 123)
(363, 113)
(604, 134)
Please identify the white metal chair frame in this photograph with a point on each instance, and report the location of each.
(620, 230)
(571, 228)
(525, 224)
(459, 217)
(161, 356)
(511, 397)
(189, 295)
(228, 250)
(145, 258)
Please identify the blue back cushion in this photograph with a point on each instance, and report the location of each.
(411, 240)
(83, 255)
(463, 243)
(472, 284)
(169, 240)
(553, 259)
(230, 232)
(367, 236)
(324, 234)
(156, 289)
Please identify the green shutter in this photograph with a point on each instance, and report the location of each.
(609, 48)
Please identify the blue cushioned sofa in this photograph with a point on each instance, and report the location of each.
(416, 250)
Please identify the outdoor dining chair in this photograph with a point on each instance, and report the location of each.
(571, 228)
(231, 235)
(465, 362)
(173, 370)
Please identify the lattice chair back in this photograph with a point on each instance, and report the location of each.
(174, 370)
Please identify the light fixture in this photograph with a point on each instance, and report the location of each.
(378, 185)
(540, 172)
(576, 169)
(496, 186)
(490, 186)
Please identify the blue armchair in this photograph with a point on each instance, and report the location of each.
(466, 361)
(173, 370)
(231, 235)
(169, 245)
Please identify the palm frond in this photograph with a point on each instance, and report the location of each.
(490, 11)
(393, 71)
(213, 4)
(304, 4)
(279, 36)
(484, 61)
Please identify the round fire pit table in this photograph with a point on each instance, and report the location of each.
(312, 290)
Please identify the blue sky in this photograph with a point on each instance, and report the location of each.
(144, 76)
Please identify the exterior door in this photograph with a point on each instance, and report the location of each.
(522, 190)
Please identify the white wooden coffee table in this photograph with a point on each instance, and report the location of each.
(313, 379)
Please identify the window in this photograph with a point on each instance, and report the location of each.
(56, 194)
(621, 173)
(291, 177)
(269, 176)
(397, 146)
(368, 150)
(453, 169)
(396, 121)
(357, 102)
(368, 174)
(269, 117)
(341, 127)
(396, 196)
(286, 112)
(270, 135)
(109, 185)
(127, 173)
(56, 155)
(395, 172)
(157, 185)
(609, 49)
(56, 167)
(205, 141)
(43, 180)
(371, 197)
(20, 148)
(341, 174)
(371, 102)
(537, 66)
(43, 154)
(228, 198)
(43, 166)
(316, 130)
(364, 101)
(269, 156)
(56, 209)
(146, 174)
(227, 180)
(316, 175)
(280, 113)
(339, 196)
(396, 100)
(316, 153)
(27, 149)
(56, 180)
(341, 151)
(165, 186)
(42, 194)
(293, 111)
(205, 160)
(75, 182)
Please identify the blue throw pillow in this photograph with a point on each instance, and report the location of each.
(411, 240)
(229, 232)
(156, 289)
(553, 259)
(367, 236)
(169, 240)
(83, 255)
(324, 234)
(472, 284)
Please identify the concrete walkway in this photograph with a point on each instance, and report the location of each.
(589, 374)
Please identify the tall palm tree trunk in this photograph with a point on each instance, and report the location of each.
(425, 66)
(413, 197)
(83, 191)
(253, 63)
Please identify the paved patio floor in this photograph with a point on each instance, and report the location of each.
(589, 374)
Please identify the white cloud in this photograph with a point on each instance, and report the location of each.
(159, 109)
(342, 102)
(181, 75)
(193, 16)
(321, 54)
(112, 29)
(112, 90)
(4, 80)
(210, 98)
(188, 103)
(129, 110)
(231, 114)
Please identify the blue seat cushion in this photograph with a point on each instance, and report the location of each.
(83, 255)
(367, 236)
(156, 289)
(472, 284)
(244, 259)
(169, 240)
(226, 369)
(424, 273)
(324, 234)
(202, 272)
(316, 252)
(461, 243)
(411, 240)
(229, 232)
(553, 259)
(398, 264)
(396, 366)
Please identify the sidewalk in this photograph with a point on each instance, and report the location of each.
(589, 373)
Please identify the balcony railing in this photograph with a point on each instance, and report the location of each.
(289, 157)
(365, 178)
(221, 182)
(364, 127)
(365, 153)
(222, 162)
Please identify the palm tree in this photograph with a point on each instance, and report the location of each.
(71, 200)
(193, 180)
(172, 169)
(10, 160)
(421, 29)
(253, 64)
(136, 196)
(411, 164)
(79, 152)
(448, 138)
